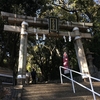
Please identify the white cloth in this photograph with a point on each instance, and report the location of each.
(27, 75)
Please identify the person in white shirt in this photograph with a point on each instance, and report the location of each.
(27, 77)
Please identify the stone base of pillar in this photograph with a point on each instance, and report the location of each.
(21, 81)
(86, 79)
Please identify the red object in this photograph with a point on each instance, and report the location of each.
(65, 60)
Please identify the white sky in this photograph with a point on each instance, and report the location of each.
(97, 1)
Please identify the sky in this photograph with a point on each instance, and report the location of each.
(97, 1)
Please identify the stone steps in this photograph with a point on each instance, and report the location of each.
(58, 91)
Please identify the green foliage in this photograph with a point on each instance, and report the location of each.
(9, 41)
(48, 57)
(22, 6)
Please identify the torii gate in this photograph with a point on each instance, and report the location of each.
(77, 31)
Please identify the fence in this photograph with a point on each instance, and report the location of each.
(6, 77)
(73, 81)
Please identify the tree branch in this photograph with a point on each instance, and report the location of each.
(70, 10)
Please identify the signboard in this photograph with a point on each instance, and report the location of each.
(53, 24)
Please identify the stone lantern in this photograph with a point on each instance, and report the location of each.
(92, 69)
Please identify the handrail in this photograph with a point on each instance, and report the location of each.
(73, 81)
(6, 79)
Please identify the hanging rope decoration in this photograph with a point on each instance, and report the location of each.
(69, 36)
(37, 36)
(64, 37)
(44, 37)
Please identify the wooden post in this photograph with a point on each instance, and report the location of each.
(22, 54)
(80, 53)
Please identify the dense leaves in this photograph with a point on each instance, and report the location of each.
(48, 57)
(24, 6)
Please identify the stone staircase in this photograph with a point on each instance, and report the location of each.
(57, 91)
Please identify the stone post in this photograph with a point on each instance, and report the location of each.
(92, 68)
(22, 54)
(83, 66)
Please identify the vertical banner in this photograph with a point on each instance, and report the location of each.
(65, 63)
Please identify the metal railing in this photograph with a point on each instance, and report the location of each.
(6, 79)
(73, 81)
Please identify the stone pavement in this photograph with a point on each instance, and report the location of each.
(57, 91)
(12, 92)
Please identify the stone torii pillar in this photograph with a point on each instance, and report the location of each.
(22, 54)
(83, 66)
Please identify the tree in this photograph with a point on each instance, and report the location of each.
(85, 11)
(77, 10)
(10, 41)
